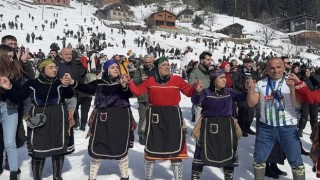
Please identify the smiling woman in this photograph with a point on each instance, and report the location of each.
(9, 68)
(54, 138)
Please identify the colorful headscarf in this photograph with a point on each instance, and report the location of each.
(216, 73)
(160, 79)
(45, 63)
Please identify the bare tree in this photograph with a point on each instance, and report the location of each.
(288, 48)
(267, 34)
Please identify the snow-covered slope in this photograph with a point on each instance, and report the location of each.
(77, 164)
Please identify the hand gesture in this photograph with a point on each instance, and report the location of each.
(293, 77)
(68, 77)
(199, 86)
(24, 55)
(124, 80)
(290, 83)
(144, 77)
(5, 83)
(65, 80)
(250, 84)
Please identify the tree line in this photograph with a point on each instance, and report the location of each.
(259, 9)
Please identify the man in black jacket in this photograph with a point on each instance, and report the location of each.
(245, 113)
(67, 64)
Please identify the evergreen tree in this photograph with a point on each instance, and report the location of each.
(197, 21)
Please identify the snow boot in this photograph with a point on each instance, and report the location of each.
(228, 173)
(123, 166)
(298, 173)
(94, 168)
(14, 175)
(258, 171)
(195, 175)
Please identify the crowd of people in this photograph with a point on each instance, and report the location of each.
(226, 97)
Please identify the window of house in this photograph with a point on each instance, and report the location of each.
(169, 16)
(58, 1)
(160, 15)
(114, 13)
(119, 13)
(123, 14)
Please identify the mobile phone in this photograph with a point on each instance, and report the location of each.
(286, 76)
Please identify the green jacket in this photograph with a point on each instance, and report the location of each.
(200, 73)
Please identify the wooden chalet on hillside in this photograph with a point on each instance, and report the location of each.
(299, 23)
(162, 19)
(233, 31)
(185, 16)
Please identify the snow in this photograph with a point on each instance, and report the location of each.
(77, 164)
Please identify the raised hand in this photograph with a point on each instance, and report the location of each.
(24, 55)
(290, 83)
(250, 84)
(5, 83)
(199, 86)
(65, 80)
(144, 77)
(124, 80)
(68, 77)
(293, 77)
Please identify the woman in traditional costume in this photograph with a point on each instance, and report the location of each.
(218, 141)
(165, 129)
(110, 131)
(53, 138)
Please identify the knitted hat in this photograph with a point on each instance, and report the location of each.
(45, 63)
(107, 64)
(224, 64)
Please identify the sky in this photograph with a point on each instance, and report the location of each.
(77, 164)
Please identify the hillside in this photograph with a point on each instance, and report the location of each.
(77, 164)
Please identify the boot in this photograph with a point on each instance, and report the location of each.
(14, 175)
(298, 173)
(300, 132)
(57, 166)
(37, 167)
(228, 173)
(177, 169)
(304, 152)
(195, 175)
(148, 169)
(125, 178)
(193, 118)
(258, 171)
(83, 127)
(274, 168)
(6, 165)
(94, 167)
(270, 173)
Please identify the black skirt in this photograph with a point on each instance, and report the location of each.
(218, 141)
(110, 134)
(165, 137)
(51, 139)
